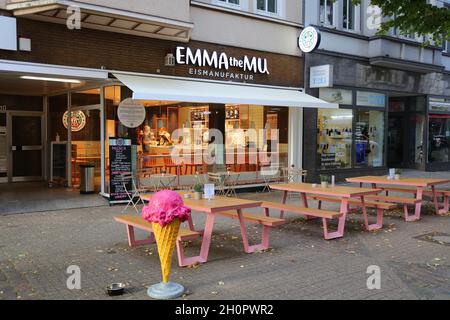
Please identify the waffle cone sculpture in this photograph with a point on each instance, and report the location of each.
(166, 211)
(166, 240)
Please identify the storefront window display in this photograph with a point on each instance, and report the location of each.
(439, 138)
(335, 138)
(177, 137)
(353, 136)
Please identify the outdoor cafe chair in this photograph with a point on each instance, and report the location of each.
(269, 175)
(132, 191)
(219, 182)
(230, 182)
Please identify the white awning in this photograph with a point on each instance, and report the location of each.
(167, 89)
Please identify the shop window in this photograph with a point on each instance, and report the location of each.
(267, 6)
(326, 12)
(176, 138)
(439, 138)
(369, 138)
(335, 138)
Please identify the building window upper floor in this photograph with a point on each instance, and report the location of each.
(230, 3)
(339, 14)
(269, 8)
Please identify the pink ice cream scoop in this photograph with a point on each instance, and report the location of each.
(164, 207)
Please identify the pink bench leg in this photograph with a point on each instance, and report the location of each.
(418, 207)
(440, 211)
(446, 204)
(341, 226)
(375, 226)
(257, 247)
(132, 242)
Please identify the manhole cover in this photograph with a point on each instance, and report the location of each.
(436, 237)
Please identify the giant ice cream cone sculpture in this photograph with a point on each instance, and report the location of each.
(166, 239)
(166, 211)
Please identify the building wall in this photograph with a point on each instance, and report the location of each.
(173, 9)
(55, 44)
(289, 10)
(363, 41)
(241, 31)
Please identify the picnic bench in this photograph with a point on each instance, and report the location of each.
(343, 194)
(379, 206)
(228, 207)
(445, 194)
(132, 221)
(419, 183)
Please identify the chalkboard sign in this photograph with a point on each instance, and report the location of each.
(119, 163)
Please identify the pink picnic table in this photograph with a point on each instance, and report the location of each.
(342, 192)
(419, 183)
(211, 208)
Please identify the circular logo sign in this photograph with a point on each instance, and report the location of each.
(309, 39)
(78, 121)
(131, 113)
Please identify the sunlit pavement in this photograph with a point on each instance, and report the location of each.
(37, 248)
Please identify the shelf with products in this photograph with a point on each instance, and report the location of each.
(335, 134)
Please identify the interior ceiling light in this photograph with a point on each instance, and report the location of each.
(51, 79)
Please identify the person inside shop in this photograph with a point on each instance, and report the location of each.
(164, 137)
(148, 139)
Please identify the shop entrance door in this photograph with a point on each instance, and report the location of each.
(395, 141)
(26, 146)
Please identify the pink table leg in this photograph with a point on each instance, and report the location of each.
(206, 243)
(265, 236)
(283, 201)
(375, 226)
(305, 204)
(341, 226)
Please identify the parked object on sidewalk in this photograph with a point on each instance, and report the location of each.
(115, 289)
(166, 212)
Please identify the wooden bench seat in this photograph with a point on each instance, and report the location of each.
(440, 193)
(394, 199)
(356, 202)
(380, 206)
(133, 221)
(260, 219)
(302, 210)
(311, 212)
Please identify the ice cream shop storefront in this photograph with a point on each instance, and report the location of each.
(183, 109)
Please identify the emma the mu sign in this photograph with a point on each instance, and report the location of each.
(221, 65)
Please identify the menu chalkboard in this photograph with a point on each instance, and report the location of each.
(119, 163)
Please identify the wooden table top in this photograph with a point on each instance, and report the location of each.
(415, 182)
(217, 204)
(337, 191)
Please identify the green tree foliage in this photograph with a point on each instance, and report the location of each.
(415, 17)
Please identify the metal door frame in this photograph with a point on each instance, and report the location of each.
(9, 124)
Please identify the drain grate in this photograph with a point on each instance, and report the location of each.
(436, 237)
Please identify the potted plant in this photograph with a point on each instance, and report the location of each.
(397, 174)
(198, 189)
(324, 180)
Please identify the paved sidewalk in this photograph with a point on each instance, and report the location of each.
(36, 249)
